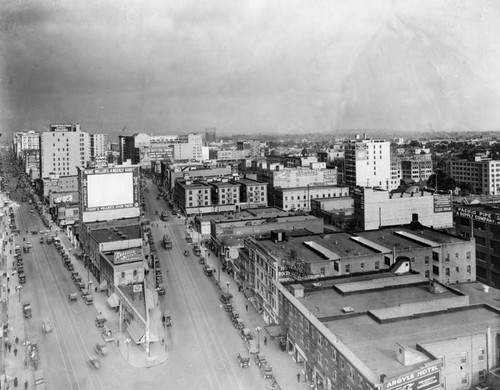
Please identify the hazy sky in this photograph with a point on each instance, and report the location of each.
(169, 66)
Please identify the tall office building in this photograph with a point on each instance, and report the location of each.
(482, 173)
(25, 140)
(62, 149)
(98, 147)
(188, 147)
(368, 164)
(210, 135)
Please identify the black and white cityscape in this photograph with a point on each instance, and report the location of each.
(250, 195)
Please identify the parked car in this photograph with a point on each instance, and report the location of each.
(101, 349)
(73, 296)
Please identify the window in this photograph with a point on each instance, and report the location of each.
(468, 269)
(377, 265)
(447, 272)
(426, 259)
(481, 354)
(362, 265)
(347, 268)
(465, 379)
(463, 357)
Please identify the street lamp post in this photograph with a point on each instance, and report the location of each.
(127, 341)
(19, 288)
(88, 286)
(258, 329)
(227, 284)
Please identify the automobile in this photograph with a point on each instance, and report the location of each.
(186, 253)
(94, 362)
(201, 260)
(100, 320)
(47, 326)
(208, 270)
(107, 335)
(161, 289)
(252, 346)
(73, 296)
(41, 240)
(101, 349)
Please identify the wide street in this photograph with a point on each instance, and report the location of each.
(202, 343)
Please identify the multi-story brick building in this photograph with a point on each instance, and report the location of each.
(390, 332)
(299, 198)
(417, 167)
(375, 207)
(433, 254)
(483, 223)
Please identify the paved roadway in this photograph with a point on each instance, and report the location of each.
(202, 342)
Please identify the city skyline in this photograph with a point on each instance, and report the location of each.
(250, 67)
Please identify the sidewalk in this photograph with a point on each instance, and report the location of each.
(285, 370)
(15, 360)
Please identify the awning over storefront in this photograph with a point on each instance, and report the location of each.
(136, 331)
(103, 285)
(113, 301)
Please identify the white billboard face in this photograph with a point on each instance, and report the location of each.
(111, 189)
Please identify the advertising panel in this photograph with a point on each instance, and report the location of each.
(423, 379)
(127, 256)
(110, 188)
(58, 127)
(442, 203)
(479, 215)
(109, 193)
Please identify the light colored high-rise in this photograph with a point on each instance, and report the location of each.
(25, 140)
(62, 149)
(368, 164)
(482, 173)
(188, 147)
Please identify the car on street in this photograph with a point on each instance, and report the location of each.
(47, 326)
(101, 349)
(208, 270)
(73, 296)
(107, 335)
(94, 362)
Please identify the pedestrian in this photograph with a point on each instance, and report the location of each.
(15, 381)
(95, 288)
(9, 345)
(25, 363)
(246, 307)
(298, 377)
(162, 341)
(118, 343)
(265, 340)
(15, 351)
(26, 384)
(17, 340)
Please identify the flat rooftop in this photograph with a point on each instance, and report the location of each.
(315, 248)
(250, 182)
(420, 236)
(375, 344)
(109, 235)
(408, 314)
(331, 302)
(254, 213)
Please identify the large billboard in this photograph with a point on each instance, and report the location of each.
(109, 193)
(423, 379)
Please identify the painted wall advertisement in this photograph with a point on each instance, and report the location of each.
(479, 215)
(424, 379)
(442, 203)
